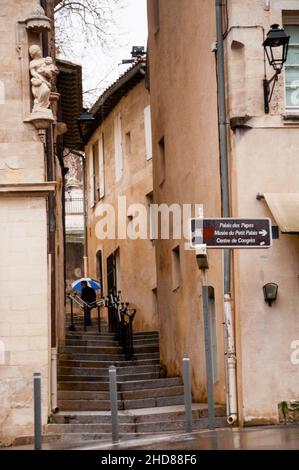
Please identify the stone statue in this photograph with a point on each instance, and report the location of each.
(42, 70)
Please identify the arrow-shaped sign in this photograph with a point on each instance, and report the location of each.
(228, 232)
(263, 232)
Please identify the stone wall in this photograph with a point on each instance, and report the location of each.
(136, 276)
(23, 312)
(24, 296)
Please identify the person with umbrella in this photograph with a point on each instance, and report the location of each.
(88, 295)
(87, 287)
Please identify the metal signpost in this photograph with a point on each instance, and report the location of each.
(223, 233)
(231, 233)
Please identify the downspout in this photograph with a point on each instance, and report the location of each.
(232, 411)
(85, 257)
(49, 154)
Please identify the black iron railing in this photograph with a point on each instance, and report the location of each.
(120, 319)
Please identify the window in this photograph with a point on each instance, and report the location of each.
(148, 132)
(91, 177)
(156, 16)
(292, 67)
(152, 230)
(95, 153)
(161, 161)
(101, 159)
(155, 301)
(117, 268)
(118, 148)
(128, 144)
(176, 268)
(2, 92)
(99, 270)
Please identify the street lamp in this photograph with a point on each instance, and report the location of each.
(270, 292)
(85, 125)
(276, 49)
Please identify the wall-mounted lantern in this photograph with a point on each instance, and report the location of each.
(85, 125)
(270, 292)
(276, 49)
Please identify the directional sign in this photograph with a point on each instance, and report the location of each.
(231, 233)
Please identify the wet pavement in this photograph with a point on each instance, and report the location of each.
(257, 438)
(284, 437)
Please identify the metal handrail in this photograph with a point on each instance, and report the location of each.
(120, 317)
(96, 304)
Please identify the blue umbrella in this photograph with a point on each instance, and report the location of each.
(76, 285)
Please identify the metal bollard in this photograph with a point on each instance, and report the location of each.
(187, 392)
(37, 411)
(113, 403)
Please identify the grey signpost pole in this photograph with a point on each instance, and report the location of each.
(208, 350)
(187, 392)
(203, 265)
(37, 411)
(113, 402)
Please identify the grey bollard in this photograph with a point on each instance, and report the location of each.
(113, 403)
(37, 411)
(187, 392)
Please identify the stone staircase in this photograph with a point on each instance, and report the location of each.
(148, 403)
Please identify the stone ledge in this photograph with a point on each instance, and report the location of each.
(28, 189)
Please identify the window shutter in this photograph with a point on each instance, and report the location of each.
(118, 148)
(101, 167)
(148, 132)
(91, 177)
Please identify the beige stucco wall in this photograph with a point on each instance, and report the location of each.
(137, 275)
(23, 312)
(184, 112)
(24, 295)
(264, 158)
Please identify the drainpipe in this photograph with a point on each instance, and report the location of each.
(49, 155)
(232, 411)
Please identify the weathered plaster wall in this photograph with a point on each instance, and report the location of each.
(24, 323)
(264, 158)
(184, 112)
(23, 312)
(137, 257)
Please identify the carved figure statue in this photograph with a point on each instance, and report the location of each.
(42, 70)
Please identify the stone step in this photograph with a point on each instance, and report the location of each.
(109, 343)
(105, 371)
(154, 383)
(162, 391)
(77, 439)
(107, 335)
(98, 405)
(105, 364)
(105, 357)
(127, 385)
(133, 427)
(103, 378)
(142, 416)
(89, 417)
(87, 428)
(115, 349)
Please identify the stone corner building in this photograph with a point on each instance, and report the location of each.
(31, 252)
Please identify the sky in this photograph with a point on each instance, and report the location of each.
(102, 67)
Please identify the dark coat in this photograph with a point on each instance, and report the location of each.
(88, 294)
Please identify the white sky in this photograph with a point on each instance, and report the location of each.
(101, 68)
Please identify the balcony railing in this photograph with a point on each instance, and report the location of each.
(74, 206)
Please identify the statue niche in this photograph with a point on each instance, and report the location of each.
(42, 70)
